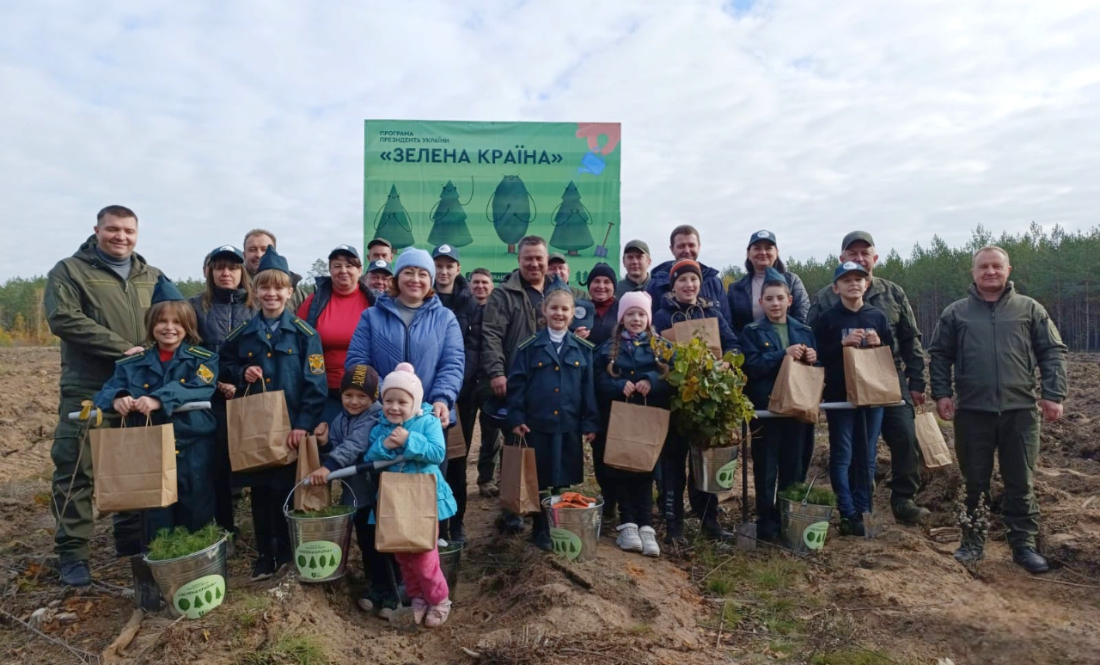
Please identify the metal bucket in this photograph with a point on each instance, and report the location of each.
(450, 560)
(320, 544)
(714, 469)
(804, 527)
(194, 584)
(575, 532)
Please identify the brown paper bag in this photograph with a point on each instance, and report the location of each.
(310, 497)
(134, 467)
(519, 480)
(456, 443)
(797, 391)
(870, 376)
(635, 436)
(933, 447)
(684, 331)
(407, 514)
(258, 425)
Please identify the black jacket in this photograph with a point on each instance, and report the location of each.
(227, 311)
(462, 303)
(603, 326)
(830, 328)
(323, 295)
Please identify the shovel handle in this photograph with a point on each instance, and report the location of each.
(824, 406)
(362, 467)
(74, 416)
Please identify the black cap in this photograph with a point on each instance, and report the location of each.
(856, 236)
(380, 265)
(848, 267)
(448, 251)
(379, 241)
(762, 236)
(345, 249)
(637, 246)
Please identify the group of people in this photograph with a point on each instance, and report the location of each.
(383, 361)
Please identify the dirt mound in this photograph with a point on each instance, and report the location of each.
(28, 409)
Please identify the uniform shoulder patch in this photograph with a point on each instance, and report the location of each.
(584, 342)
(754, 325)
(236, 331)
(205, 374)
(199, 352)
(130, 359)
(527, 342)
(316, 363)
(305, 327)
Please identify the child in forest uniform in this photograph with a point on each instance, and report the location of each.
(552, 401)
(154, 383)
(349, 435)
(853, 434)
(281, 352)
(410, 428)
(778, 454)
(627, 369)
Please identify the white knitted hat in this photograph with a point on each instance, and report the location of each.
(403, 377)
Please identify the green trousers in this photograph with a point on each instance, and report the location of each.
(900, 433)
(1014, 437)
(72, 492)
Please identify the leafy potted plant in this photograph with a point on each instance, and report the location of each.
(805, 511)
(709, 407)
(189, 569)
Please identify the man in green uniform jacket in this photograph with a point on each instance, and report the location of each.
(95, 302)
(992, 341)
(898, 426)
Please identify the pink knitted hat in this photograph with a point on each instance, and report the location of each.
(403, 377)
(639, 299)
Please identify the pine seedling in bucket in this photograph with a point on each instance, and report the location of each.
(805, 514)
(189, 569)
(320, 539)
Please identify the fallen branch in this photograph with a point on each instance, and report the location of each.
(1073, 584)
(84, 656)
(570, 574)
(721, 622)
(129, 631)
(472, 654)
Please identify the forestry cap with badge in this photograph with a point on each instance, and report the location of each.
(762, 236)
(345, 250)
(446, 251)
(225, 251)
(272, 260)
(848, 267)
(381, 265)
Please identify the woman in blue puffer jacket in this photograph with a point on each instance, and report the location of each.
(225, 304)
(410, 324)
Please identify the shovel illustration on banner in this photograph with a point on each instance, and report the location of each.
(872, 523)
(601, 249)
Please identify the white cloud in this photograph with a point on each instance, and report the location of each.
(805, 117)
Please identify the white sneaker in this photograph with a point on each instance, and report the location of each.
(649, 541)
(628, 540)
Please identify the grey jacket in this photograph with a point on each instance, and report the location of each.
(350, 437)
(993, 349)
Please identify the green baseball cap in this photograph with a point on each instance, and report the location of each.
(856, 236)
(556, 256)
(637, 246)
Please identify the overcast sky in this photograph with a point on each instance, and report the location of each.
(808, 117)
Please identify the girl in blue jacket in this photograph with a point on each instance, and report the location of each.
(152, 385)
(409, 428)
(552, 401)
(781, 454)
(628, 370)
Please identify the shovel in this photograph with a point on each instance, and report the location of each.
(746, 530)
(872, 523)
(601, 250)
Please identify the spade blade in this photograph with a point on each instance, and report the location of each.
(746, 536)
(873, 526)
(403, 620)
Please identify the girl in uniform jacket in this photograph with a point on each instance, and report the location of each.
(152, 384)
(226, 304)
(627, 370)
(552, 401)
(279, 351)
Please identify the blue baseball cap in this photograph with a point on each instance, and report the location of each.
(224, 250)
(849, 267)
(380, 265)
(447, 251)
(762, 236)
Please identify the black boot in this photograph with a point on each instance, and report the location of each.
(674, 519)
(713, 530)
(510, 524)
(540, 533)
(1030, 560)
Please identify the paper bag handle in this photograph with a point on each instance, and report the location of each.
(286, 503)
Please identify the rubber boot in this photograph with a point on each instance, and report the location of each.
(540, 532)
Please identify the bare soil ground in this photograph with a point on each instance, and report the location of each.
(899, 599)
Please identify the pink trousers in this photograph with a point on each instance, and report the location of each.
(423, 578)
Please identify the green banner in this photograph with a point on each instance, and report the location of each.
(481, 186)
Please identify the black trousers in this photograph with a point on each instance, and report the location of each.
(221, 471)
(376, 567)
(492, 440)
(899, 430)
(634, 492)
(454, 472)
(778, 455)
(675, 477)
(270, 488)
